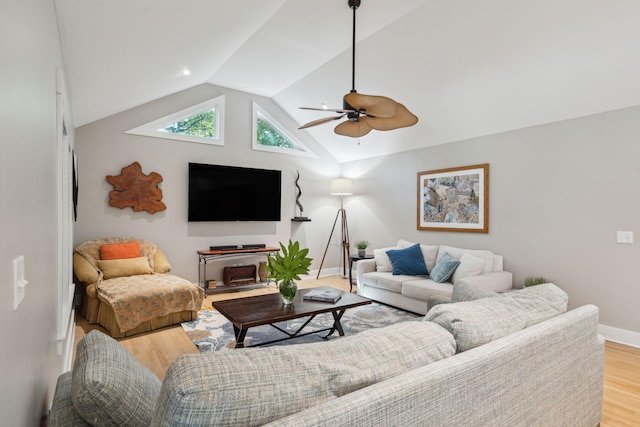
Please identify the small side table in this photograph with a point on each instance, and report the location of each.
(352, 259)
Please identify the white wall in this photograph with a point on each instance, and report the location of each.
(558, 194)
(103, 149)
(29, 363)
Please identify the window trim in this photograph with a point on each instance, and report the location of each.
(261, 113)
(153, 128)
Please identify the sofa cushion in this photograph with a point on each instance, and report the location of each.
(429, 253)
(120, 250)
(386, 280)
(444, 268)
(474, 323)
(124, 267)
(253, 386)
(383, 263)
(469, 266)
(457, 253)
(109, 386)
(408, 261)
(423, 289)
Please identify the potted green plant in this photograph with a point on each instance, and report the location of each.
(532, 281)
(361, 246)
(286, 267)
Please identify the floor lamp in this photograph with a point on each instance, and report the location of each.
(340, 187)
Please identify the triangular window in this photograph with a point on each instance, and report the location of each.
(202, 123)
(269, 135)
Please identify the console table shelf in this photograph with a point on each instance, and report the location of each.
(206, 256)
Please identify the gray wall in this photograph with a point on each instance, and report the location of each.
(30, 52)
(104, 149)
(558, 194)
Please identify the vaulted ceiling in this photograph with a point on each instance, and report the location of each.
(466, 68)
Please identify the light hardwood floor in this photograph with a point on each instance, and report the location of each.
(158, 349)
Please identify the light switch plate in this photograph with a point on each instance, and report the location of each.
(624, 237)
(19, 283)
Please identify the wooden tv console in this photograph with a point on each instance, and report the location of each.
(207, 256)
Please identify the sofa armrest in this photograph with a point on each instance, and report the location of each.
(160, 262)
(495, 281)
(434, 300)
(362, 267)
(83, 270)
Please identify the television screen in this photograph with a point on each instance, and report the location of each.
(229, 193)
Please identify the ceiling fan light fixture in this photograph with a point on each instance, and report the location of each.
(364, 112)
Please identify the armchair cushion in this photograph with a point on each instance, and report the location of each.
(120, 250)
(124, 267)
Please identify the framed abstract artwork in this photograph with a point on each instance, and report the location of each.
(454, 199)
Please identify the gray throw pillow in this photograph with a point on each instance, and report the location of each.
(109, 387)
(444, 268)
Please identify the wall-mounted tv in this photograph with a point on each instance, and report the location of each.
(231, 193)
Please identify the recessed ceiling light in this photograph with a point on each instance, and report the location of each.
(185, 72)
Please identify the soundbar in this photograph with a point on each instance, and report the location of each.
(237, 247)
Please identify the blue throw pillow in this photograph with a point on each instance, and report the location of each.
(444, 268)
(408, 261)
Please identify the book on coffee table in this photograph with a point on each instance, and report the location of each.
(325, 295)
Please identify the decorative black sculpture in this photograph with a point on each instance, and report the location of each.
(299, 218)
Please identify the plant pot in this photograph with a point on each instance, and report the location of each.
(362, 252)
(288, 291)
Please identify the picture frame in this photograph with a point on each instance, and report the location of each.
(454, 199)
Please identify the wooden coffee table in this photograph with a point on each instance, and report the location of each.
(248, 312)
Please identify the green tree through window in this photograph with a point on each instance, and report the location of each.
(269, 136)
(201, 124)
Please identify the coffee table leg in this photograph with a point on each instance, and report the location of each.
(240, 335)
(337, 315)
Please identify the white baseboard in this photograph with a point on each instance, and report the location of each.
(621, 336)
(334, 271)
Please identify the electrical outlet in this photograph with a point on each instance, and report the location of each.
(624, 237)
(19, 283)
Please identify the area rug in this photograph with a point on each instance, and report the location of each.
(211, 331)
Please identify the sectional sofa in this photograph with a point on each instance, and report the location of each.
(405, 283)
(517, 359)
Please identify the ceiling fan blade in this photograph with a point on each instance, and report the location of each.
(353, 129)
(377, 106)
(404, 118)
(320, 121)
(334, 110)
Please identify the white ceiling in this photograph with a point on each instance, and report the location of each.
(466, 68)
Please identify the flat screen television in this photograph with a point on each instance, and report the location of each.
(231, 193)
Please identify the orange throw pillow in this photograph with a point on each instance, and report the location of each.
(120, 250)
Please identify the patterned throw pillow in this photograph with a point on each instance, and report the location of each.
(444, 268)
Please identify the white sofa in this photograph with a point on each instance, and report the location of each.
(480, 268)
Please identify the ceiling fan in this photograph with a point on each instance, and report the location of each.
(364, 112)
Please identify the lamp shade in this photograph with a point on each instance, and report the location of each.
(341, 187)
